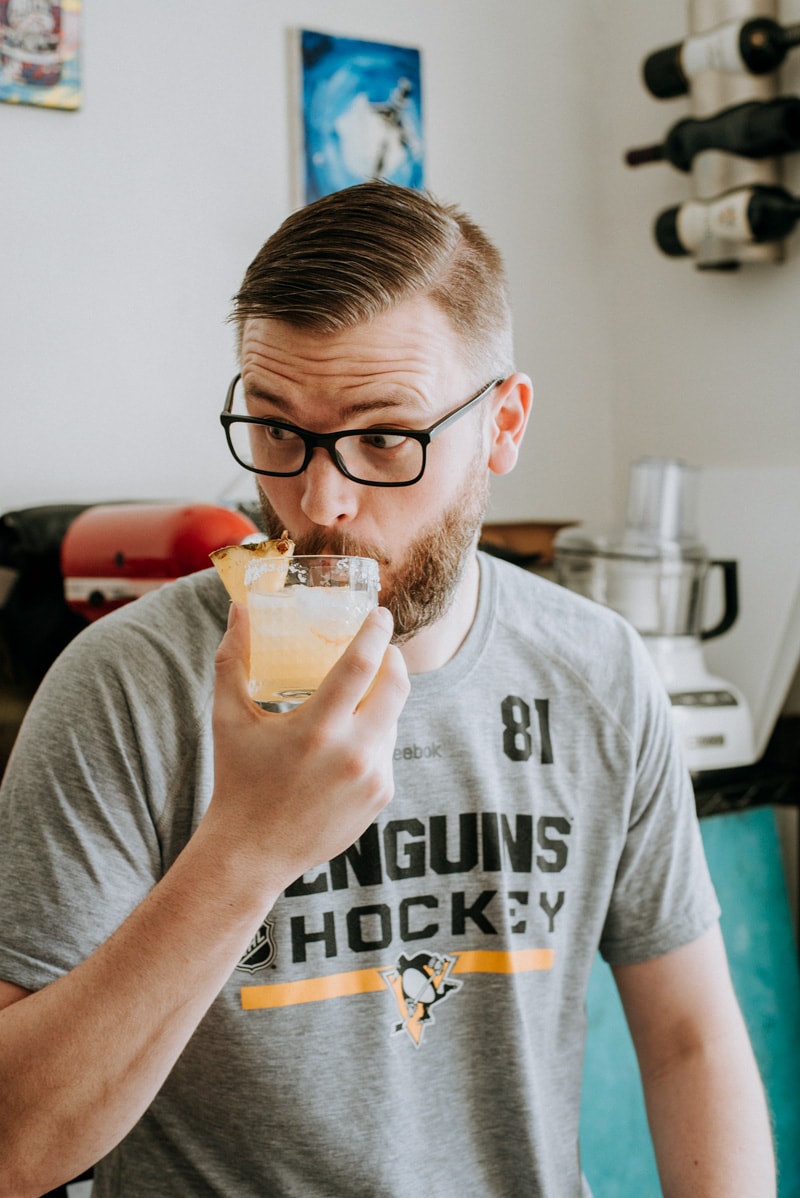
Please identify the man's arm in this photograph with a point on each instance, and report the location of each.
(705, 1102)
(81, 1059)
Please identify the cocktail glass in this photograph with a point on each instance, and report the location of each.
(303, 615)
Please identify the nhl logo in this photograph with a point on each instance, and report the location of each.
(260, 951)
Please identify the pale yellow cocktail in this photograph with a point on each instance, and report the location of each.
(299, 629)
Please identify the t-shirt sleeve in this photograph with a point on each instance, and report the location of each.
(663, 895)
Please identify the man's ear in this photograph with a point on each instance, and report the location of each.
(511, 407)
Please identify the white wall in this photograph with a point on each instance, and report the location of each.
(127, 227)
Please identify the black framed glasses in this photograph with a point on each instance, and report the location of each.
(381, 456)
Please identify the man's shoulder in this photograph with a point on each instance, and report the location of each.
(537, 604)
(576, 634)
(197, 593)
(135, 684)
(178, 622)
(201, 593)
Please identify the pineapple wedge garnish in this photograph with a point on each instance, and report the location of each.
(232, 561)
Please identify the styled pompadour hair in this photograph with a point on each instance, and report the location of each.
(359, 252)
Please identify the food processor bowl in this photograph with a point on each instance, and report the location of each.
(654, 569)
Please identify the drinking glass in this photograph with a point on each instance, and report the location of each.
(303, 615)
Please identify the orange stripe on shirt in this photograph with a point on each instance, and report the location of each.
(522, 960)
(288, 994)
(370, 981)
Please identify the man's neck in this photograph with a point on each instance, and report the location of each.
(434, 646)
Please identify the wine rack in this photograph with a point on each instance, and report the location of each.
(737, 210)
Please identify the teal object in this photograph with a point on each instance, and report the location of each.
(744, 857)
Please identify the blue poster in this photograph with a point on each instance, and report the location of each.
(361, 113)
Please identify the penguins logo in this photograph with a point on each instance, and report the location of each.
(260, 951)
(418, 983)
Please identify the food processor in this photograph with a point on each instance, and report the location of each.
(654, 571)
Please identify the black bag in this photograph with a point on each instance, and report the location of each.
(35, 620)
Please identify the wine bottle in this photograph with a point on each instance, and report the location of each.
(755, 129)
(753, 47)
(743, 215)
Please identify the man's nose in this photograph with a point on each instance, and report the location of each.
(328, 496)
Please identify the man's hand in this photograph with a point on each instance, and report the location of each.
(299, 787)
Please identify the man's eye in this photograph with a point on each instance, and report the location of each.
(383, 440)
(276, 432)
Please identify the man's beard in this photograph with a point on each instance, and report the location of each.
(419, 589)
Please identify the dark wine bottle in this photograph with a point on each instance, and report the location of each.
(753, 47)
(743, 215)
(755, 129)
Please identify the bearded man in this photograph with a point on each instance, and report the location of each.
(231, 967)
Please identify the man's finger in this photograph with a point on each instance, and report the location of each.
(387, 695)
(232, 662)
(354, 672)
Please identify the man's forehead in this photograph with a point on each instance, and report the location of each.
(414, 337)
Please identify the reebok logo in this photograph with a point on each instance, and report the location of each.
(417, 752)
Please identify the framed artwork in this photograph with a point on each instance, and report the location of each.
(40, 53)
(360, 114)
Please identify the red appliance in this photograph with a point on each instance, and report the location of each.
(113, 553)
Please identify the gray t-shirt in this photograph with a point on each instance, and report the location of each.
(410, 1016)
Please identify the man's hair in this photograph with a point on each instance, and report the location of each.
(359, 252)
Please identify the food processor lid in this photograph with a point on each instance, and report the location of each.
(660, 518)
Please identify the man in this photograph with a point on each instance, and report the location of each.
(230, 968)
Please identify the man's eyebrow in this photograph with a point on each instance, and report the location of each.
(253, 391)
(289, 411)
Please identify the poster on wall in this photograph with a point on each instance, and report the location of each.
(360, 114)
(40, 53)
